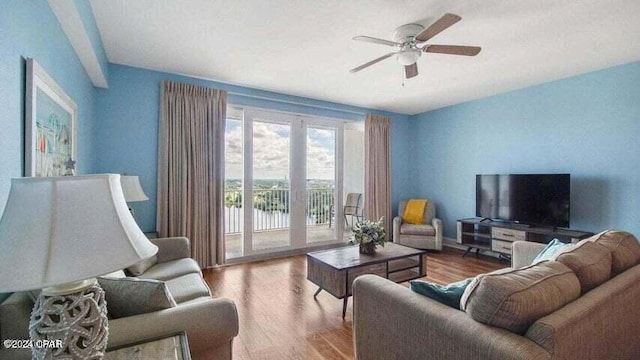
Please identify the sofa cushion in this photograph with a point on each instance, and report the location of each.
(116, 274)
(424, 230)
(624, 247)
(142, 266)
(14, 316)
(589, 261)
(513, 299)
(171, 269)
(188, 287)
(132, 296)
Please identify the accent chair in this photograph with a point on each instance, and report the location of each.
(421, 236)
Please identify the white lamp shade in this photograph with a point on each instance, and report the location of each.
(132, 190)
(58, 230)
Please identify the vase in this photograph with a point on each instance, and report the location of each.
(368, 248)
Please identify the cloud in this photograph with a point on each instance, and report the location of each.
(271, 156)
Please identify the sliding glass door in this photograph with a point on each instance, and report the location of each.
(270, 180)
(320, 182)
(284, 176)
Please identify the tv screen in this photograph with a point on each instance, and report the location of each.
(539, 199)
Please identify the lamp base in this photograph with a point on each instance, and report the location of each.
(70, 321)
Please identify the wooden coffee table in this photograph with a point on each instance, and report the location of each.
(334, 270)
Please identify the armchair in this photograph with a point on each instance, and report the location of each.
(422, 236)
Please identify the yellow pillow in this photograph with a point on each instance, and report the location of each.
(414, 212)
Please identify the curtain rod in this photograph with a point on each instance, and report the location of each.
(296, 103)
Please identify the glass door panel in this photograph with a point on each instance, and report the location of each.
(353, 171)
(320, 184)
(271, 185)
(233, 214)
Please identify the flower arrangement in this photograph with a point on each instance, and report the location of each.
(368, 234)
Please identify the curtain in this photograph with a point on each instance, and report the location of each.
(191, 168)
(377, 169)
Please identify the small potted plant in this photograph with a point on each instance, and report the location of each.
(368, 234)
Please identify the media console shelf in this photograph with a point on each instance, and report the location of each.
(498, 236)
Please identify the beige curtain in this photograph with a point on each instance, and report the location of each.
(377, 169)
(191, 168)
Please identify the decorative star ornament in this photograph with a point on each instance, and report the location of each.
(70, 165)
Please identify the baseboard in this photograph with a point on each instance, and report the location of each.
(448, 242)
(282, 254)
(452, 243)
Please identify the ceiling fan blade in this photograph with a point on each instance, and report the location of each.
(354, 70)
(411, 70)
(376, 40)
(437, 27)
(453, 49)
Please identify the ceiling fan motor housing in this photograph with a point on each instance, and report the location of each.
(407, 33)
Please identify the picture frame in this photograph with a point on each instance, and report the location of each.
(50, 125)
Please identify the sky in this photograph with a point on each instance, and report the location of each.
(271, 155)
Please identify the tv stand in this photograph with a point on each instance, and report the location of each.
(486, 219)
(497, 236)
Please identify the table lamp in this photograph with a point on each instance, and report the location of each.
(132, 190)
(58, 234)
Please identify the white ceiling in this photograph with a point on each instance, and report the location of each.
(304, 47)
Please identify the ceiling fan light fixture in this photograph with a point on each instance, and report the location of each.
(408, 57)
(410, 40)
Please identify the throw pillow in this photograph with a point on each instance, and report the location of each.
(624, 247)
(589, 261)
(414, 211)
(130, 296)
(449, 295)
(513, 299)
(551, 250)
(142, 266)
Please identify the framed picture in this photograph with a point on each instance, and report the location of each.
(50, 129)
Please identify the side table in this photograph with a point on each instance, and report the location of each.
(170, 347)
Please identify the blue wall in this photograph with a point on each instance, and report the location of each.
(587, 125)
(30, 29)
(126, 130)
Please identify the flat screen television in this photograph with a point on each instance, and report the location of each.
(535, 199)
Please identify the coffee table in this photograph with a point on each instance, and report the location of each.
(334, 270)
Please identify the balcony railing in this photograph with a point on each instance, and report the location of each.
(271, 209)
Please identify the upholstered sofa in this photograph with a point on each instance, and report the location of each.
(393, 322)
(210, 323)
(422, 236)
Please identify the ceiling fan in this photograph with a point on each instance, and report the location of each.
(410, 40)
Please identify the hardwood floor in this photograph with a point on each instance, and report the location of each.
(279, 318)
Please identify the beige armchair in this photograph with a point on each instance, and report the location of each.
(422, 236)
